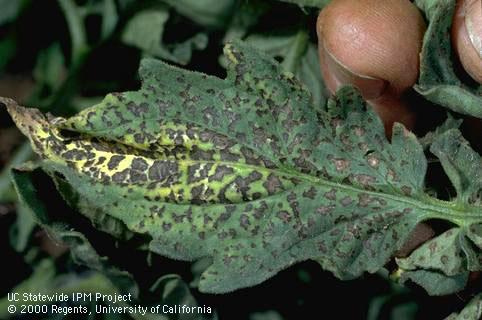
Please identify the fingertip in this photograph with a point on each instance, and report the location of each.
(466, 36)
(336, 75)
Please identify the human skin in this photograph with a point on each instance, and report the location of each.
(373, 45)
(467, 36)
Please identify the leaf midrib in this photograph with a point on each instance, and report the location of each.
(439, 208)
(431, 207)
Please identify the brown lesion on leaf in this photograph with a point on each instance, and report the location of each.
(346, 201)
(365, 180)
(331, 195)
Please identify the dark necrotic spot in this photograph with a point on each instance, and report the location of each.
(114, 161)
(244, 221)
(406, 190)
(254, 176)
(139, 138)
(160, 170)
(256, 195)
(75, 154)
(331, 195)
(272, 184)
(139, 164)
(120, 177)
(198, 172)
(311, 193)
(284, 216)
(198, 154)
(346, 201)
(196, 194)
(221, 171)
(137, 109)
(242, 186)
(137, 177)
(166, 226)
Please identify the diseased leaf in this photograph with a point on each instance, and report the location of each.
(462, 164)
(299, 56)
(81, 250)
(436, 283)
(473, 310)
(438, 81)
(459, 250)
(450, 123)
(106, 279)
(145, 31)
(243, 170)
(445, 253)
(441, 266)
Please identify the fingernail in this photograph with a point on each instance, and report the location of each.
(473, 24)
(339, 75)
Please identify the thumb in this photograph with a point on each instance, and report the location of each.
(373, 45)
(467, 36)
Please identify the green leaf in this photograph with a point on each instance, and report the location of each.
(473, 310)
(246, 16)
(7, 194)
(436, 283)
(437, 81)
(107, 279)
(449, 123)
(445, 253)
(49, 73)
(45, 280)
(81, 250)
(299, 56)
(244, 170)
(441, 265)
(459, 250)
(145, 31)
(209, 13)
(174, 292)
(462, 164)
(10, 10)
(21, 231)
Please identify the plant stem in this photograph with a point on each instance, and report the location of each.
(76, 28)
(296, 52)
(23, 153)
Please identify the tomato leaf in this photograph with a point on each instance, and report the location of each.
(458, 250)
(299, 56)
(243, 170)
(473, 310)
(145, 31)
(438, 81)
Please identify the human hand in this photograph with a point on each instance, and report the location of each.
(375, 45)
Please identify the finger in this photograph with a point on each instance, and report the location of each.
(373, 45)
(467, 36)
